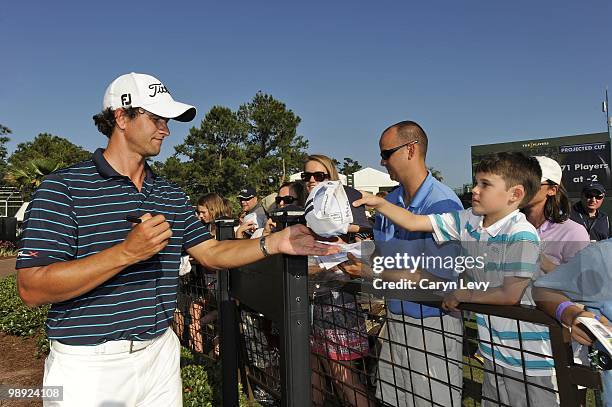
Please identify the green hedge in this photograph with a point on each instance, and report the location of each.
(201, 381)
(15, 317)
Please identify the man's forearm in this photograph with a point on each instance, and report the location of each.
(64, 280)
(232, 253)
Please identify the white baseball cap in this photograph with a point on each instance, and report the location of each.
(141, 90)
(328, 211)
(551, 170)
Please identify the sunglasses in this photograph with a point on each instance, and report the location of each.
(286, 199)
(591, 196)
(386, 154)
(159, 122)
(318, 176)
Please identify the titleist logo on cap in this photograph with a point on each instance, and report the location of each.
(157, 88)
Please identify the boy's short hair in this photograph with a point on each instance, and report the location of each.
(515, 169)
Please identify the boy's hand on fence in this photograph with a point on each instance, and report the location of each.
(453, 299)
(298, 240)
(147, 238)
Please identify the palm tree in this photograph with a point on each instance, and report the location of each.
(30, 176)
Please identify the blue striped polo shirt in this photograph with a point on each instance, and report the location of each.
(509, 248)
(79, 211)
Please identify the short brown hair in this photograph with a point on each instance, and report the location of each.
(105, 120)
(408, 131)
(515, 169)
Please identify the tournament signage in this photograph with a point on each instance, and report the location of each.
(584, 158)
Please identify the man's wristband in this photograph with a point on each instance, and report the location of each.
(262, 246)
(562, 307)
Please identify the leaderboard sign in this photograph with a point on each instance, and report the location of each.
(584, 158)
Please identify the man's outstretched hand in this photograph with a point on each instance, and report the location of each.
(300, 241)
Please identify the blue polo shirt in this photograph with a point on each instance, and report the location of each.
(586, 278)
(431, 197)
(79, 211)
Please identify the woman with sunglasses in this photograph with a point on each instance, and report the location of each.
(320, 168)
(339, 336)
(587, 212)
(291, 193)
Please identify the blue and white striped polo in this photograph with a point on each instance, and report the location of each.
(81, 210)
(510, 248)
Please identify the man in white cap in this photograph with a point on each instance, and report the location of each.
(102, 243)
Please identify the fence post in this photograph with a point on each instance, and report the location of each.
(295, 346)
(228, 329)
(294, 342)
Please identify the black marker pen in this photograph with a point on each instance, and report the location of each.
(133, 219)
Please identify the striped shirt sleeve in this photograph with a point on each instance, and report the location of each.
(50, 226)
(446, 226)
(521, 255)
(195, 232)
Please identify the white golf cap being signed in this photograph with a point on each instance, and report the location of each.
(145, 91)
(328, 211)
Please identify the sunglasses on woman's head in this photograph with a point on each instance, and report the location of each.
(286, 199)
(318, 176)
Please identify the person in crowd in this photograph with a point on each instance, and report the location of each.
(315, 173)
(561, 238)
(102, 243)
(210, 206)
(291, 193)
(251, 205)
(405, 372)
(505, 182)
(587, 212)
(548, 211)
(581, 287)
(339, 337)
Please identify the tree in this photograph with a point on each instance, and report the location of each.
(350, 166)
(33, 160)
(30, 176)
(257, 145)
(436, 174)
(4, 132)
(48, 146)
(215, 155)
(273, 145)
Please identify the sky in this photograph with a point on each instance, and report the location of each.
(470, 72)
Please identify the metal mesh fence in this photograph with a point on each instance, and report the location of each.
(196, 315)
(364, 355)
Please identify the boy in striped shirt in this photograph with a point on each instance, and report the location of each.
(496, 232)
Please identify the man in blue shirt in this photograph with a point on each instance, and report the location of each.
(406, 378)
(586, 279)
(102, 243)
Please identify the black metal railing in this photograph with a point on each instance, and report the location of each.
(343, 346)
